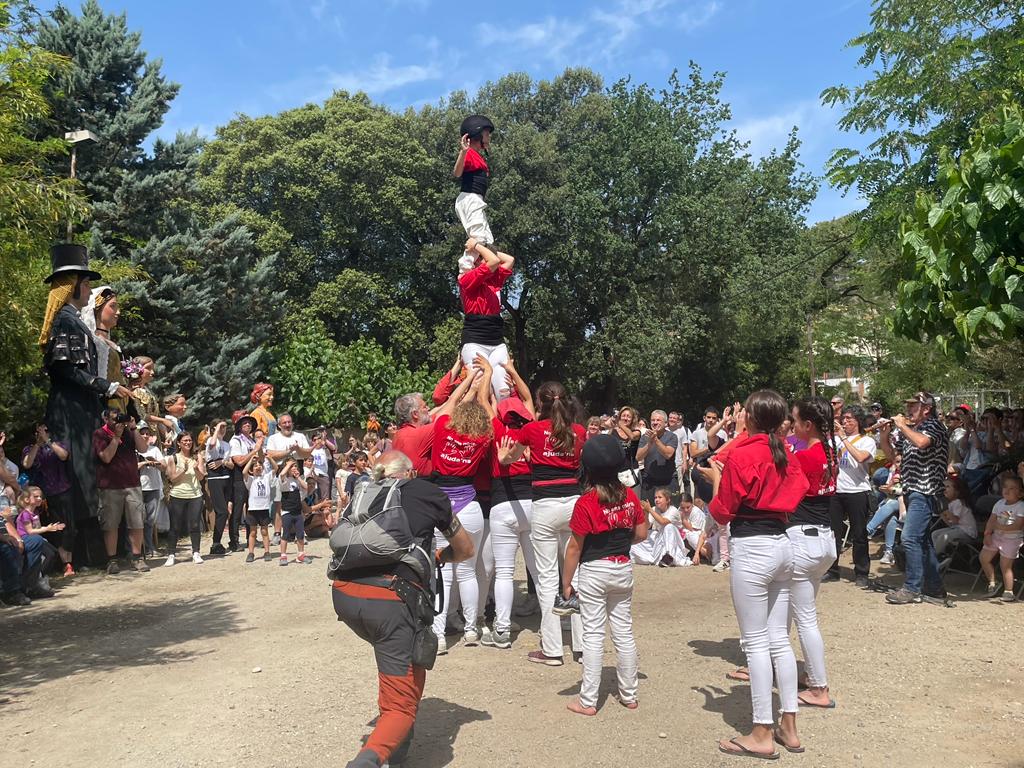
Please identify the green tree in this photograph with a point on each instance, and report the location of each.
(36, 202)
(322, 381)
(937, 66)
(963, 252)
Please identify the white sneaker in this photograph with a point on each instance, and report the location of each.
(470, 637)
(442, 646)
(529, 606)
(196, 558)
(485, 636)
(888, 558)
(169, 561)
(722, 565)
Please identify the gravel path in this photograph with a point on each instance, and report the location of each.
(161, 669)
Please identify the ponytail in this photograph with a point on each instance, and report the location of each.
(767, 409)
(818, 411)
(555, 405)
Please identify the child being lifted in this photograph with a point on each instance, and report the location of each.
(472, 170)
(483, 331)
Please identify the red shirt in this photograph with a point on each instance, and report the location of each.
(474, 161)
(750, 479)
(457, 455)
(814, 463)
(607, 529)
(554, 471)
(479, 289)
(415, 441)
(516, 468)
(123, 470)
(445, 387)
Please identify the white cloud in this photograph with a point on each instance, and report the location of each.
(552, 36)
(697, 16)
(815, 122)
(379, 78)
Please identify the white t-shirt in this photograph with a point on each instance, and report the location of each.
(965, 518)
(671, 514)
(853, 475)
(5, 500)
(152, 478)
(278, 442)
(261, 489)
(700, 437)
(320, 462)
(697, 518)
(683, 434)
(241, 445)
(1005, 513)
(218, 450)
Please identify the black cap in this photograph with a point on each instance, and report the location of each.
(474, 125)
(602, 457)
(70, 258)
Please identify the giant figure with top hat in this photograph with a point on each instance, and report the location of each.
(77, 392)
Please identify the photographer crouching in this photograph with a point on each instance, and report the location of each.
(383, 573)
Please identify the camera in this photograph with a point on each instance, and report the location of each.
(123, 418)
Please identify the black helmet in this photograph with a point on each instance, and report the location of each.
(474, 125)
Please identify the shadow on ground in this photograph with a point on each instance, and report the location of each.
(47, 646)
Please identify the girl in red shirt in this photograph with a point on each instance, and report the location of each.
(606, 521)
(462, 442)
(555, 444)
(755, 492)
(814, 544)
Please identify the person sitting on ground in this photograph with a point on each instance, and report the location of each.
(1004, 535)
(664, 543)
(28, 524)
(605, 521)
(959, 520)
(694, 524)
(258, 473)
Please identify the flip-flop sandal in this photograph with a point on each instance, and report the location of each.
(742, 751)
(785, 746)
(743, 677)
(831, 704)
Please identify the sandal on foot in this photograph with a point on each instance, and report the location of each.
(742, 751)
(804, 703)
(740, 674)
(785, 746)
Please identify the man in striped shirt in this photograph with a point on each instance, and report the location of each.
(923, 444)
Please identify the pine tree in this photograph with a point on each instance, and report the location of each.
(206, 310)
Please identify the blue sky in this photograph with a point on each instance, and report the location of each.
(264, 56)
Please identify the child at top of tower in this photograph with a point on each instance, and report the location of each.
(471, 168)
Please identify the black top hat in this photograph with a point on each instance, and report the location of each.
(70, 258)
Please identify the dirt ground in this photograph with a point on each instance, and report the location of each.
(159, 669)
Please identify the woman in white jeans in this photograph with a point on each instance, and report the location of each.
(606, 521)
(554, 444)
(461, 444)
(755, 492)
(814, 544)
(511, 506)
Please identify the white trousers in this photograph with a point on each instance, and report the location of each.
(464, 573)
(497, 356)
(471, 210)
(761, 576)
(510, 530)
(668, 541)
(484, 568)
(549, 532)
(606, 595)
(812, 557)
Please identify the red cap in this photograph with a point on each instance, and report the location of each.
(966, 407)
(513, 405)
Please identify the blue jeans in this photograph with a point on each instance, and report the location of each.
(10, 569)
(922, 563)
(887, 514)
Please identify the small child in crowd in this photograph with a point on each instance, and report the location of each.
(293, 489)
(1004, 535)
(258, 475)
(29, 502)
(960, 522)
(605, 522)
